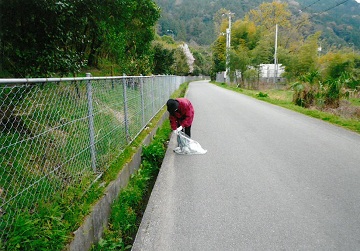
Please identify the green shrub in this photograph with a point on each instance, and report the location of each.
(262, 95)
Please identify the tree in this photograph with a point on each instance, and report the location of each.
(38, 37)
(218, 57)
(244, 33)
(47, 37)
(334, 64)
(302, 60)
(270, 14)
(163, 58)
(202, 61)
(239, 60)
(180, 66)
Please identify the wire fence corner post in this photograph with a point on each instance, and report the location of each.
(91, 122)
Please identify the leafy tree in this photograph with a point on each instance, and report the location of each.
(244, 34)
(251, 75)
(335, 64)
(180, 66)
(202, 61)
(218, 57)
(239, 60)
(38, 37)
(270, 14)
(263, 53)
(163, 58)
(47, 37)
(304, 60)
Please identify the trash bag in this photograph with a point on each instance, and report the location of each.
(188, 145)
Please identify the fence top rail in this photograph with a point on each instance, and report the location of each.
(40, 80)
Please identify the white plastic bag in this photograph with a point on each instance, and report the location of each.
(187, 145)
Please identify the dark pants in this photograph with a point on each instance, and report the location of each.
(187, 131)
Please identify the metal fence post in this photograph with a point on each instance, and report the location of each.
(91, 122)
(152, 93)
(170, 85)
(126, 110)
(161, 85)
(142, 99)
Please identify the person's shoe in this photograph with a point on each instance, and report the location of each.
(177, 149)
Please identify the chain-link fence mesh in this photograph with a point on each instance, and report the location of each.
(58, 132)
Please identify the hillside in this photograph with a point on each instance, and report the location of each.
(192, 21)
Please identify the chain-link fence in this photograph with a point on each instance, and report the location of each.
(58, 132)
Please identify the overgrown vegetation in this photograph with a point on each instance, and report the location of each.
(312, 92)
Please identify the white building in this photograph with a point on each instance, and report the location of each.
(269, 71)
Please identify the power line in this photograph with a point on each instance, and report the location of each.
(334, 6)
(311, 5)
(338, 4)
(312, 15)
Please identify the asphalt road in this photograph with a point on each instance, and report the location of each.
(272, 179)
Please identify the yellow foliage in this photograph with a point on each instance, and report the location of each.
(270, 14)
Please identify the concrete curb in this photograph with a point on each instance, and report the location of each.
(96, 222)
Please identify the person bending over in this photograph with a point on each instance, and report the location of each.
(181, 114)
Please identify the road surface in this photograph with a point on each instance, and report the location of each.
(272, 179)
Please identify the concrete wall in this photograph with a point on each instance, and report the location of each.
(220, 77)
(96, 222)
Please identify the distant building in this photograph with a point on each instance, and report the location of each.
(266, 73)
(269, 71)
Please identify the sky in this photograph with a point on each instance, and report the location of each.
(358, 1)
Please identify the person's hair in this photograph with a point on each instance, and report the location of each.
(172, 105)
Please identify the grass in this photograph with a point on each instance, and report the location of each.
(283, 98)
(355, 101)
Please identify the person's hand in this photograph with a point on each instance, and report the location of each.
(179, 129)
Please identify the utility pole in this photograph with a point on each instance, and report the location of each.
(227, 72)
(228, 45)
(275, 56)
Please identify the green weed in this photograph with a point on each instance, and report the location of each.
(262, 95)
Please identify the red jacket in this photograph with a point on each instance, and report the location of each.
(183, 116)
